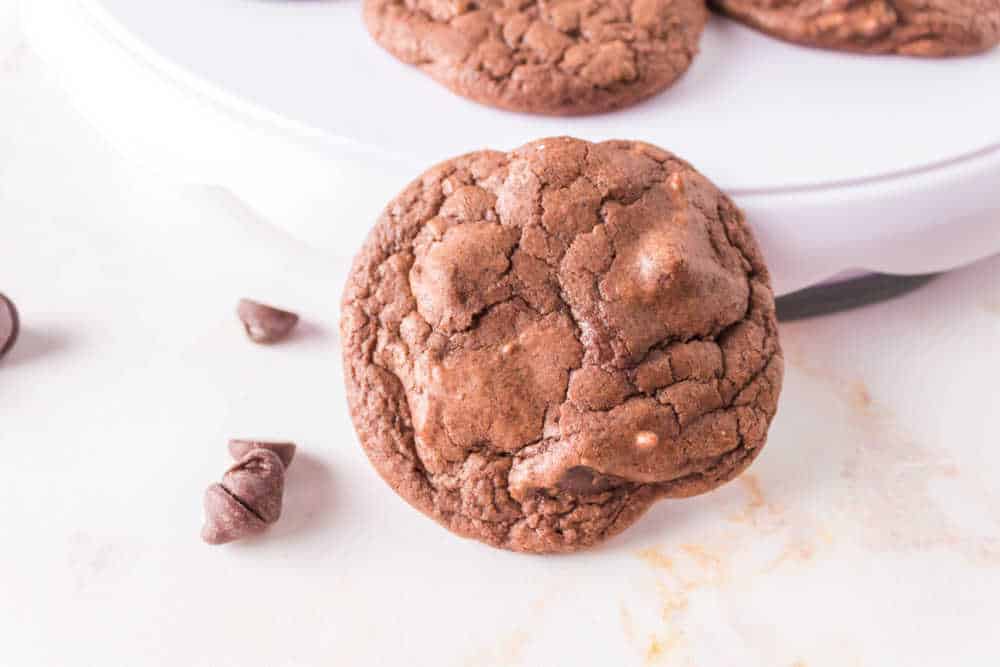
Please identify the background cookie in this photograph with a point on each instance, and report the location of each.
(906, 27)
(539, 344)
(560, 57)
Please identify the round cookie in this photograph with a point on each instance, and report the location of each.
(539, 344)
(559, 57)
(905, 27)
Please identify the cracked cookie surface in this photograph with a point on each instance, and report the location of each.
(930, 28)
(556, 57)
(539, 344)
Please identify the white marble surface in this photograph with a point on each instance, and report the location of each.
(866, 533)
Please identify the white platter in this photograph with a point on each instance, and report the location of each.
(841, 162)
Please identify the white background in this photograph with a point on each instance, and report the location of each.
(866, 534)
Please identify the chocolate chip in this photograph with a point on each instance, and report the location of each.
(238, 448)
(226, 518)
(265, 324)
(258, 481)
(9, 325)
(582, 480)
(247, 500)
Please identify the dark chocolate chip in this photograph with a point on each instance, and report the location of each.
(582, 480)
(9, 325)
(258, 481)
(265, 324)
(247, 500)
(226, 518)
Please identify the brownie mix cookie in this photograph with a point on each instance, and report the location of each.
(539, 344)
(550, 57)
(906, 27)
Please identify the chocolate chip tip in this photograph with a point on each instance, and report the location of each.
(240, 447)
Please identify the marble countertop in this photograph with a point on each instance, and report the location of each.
(865, 534)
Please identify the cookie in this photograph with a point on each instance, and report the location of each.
(559, 57)
(539, 344)
(905, 27)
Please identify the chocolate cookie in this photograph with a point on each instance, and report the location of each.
(539, 344)
(557, 57)
(906, 27)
